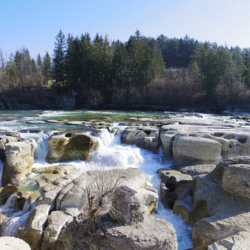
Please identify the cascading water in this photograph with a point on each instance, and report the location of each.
(42, 147)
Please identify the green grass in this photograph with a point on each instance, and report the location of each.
(103, 116)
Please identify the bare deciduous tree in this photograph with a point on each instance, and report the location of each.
(98, 195)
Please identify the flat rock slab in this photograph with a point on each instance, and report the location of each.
(195, 150)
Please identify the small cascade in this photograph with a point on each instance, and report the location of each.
(42, 147)
(15, 219)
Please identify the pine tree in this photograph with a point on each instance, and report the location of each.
(59, 59)
(46, 69)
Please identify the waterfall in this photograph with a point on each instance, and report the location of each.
(16, 221)
(42, 147)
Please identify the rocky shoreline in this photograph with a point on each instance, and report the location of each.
(208, 186)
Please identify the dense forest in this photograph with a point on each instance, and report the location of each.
(142, 71)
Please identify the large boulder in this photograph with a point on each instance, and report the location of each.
(12, 243)
(135, 185)
(147, 138)
(70, 146)
(188, 150)
(126, 208)
(151, 234)
(19, 158)
(65, 197)
(220, 210)
(236, 179)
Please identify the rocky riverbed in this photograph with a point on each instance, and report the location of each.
(125, 181)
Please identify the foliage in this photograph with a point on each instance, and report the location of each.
(140, 71)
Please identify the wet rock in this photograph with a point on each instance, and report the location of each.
(70, 147)
(12, 243)
(174, 186)
(6, 192)
(188, 150)
(184, 208)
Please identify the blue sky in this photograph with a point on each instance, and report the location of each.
(34, 23)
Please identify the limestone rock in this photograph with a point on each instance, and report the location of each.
(147, 138)
(125, 206)
(19, 157)
(153, 234)
(236, 179)
(12, 243)
(189, 150)
(70, 146)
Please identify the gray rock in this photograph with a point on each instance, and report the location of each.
(198, 170)
(56, 221)
(236, 179)
(147, 138)
(152, 234)
(189, 150)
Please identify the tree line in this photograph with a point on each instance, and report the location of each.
(141, 70)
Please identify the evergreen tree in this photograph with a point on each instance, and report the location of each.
(46, 69)
(59, 59)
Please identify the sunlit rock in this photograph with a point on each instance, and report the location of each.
(12, 243)
(70, 147)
